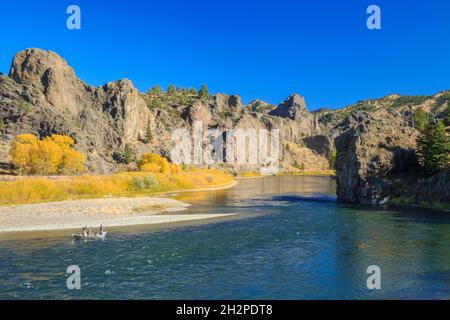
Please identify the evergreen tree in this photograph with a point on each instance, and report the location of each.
(192, 91)
(128, 154)
(171, 89)
(148, 135)
(154, 90)
(203, 92)
(434, 148)
(447, 116)
(420, 118)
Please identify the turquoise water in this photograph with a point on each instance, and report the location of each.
(291, 241)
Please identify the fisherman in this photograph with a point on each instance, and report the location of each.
(101, 229)
(85, 231)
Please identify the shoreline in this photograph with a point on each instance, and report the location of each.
(110, 211)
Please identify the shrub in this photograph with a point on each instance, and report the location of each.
(38, 189)
(150, 182)
(332, 160)
(51, 156)
(152, 162)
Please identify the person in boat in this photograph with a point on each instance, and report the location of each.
(85, 234)
(101, 229)
(89, 233)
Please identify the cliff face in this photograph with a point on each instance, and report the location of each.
(43, 96)
(368, 154)
(376, 158)
(375, 139)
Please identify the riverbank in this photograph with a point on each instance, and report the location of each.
(133, 210)
(31, 190)
(111, 212)
(34, 204)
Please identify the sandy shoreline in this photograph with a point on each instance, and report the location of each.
(111, 212)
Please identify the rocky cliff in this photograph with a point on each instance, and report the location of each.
(376, 151)
(375, 140)
(42, 95)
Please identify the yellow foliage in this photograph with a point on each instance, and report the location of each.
(175, 168)
(21, 154)
(152, 162)
(61, 140)
(46, 159)
(37, 189)
(50, 156)
(27, 138)
(71, 161)
(150, 167)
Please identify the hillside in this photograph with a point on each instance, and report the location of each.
(375, 139)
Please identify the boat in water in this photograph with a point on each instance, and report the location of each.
(92, 237)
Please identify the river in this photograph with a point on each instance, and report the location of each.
(291, 240)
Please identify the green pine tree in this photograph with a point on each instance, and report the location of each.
(203, 92)
(154, 90)
(149, 135)
(434, 148)
(447, 116)
(171, 89)
(420, 118)
(192, 91)
(128, 154)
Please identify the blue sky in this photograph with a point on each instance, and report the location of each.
(256, 49)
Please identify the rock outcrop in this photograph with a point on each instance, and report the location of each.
(372, 153)
(293, 108)
(43, 96)
(375, 139)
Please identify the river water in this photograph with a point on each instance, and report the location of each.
(291, 240)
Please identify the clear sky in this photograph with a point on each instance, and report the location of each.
(256, 49)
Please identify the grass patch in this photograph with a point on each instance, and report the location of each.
(46, 189)
(409, 201)
(440, 206)
(308, 173)
(249, 174)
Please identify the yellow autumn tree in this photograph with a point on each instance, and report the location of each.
(152, 162)
(22, 149)
(51, 156)
(47, 158)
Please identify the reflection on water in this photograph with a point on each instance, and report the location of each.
(294, 242)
